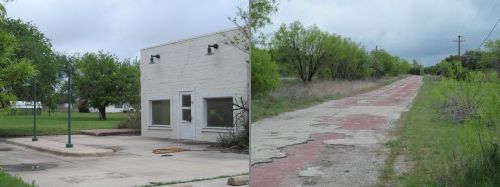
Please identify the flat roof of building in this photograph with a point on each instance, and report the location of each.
(191, 38)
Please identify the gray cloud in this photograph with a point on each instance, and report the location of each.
(122, 27)
(413, 29)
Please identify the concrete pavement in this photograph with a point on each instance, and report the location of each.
(59, 148)
(336, 143)
(133, 163)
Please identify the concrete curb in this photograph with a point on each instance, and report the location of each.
(77, 151)
(110, 132)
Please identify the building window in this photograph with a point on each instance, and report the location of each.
(160, 112)
(219, 112)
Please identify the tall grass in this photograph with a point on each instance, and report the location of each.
(445, 151)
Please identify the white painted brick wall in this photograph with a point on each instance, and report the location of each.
(184, 66)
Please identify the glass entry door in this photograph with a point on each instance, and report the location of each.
(186, 125)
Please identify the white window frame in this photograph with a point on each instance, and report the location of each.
(150, 114)
(205, 121)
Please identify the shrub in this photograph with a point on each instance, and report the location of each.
(83, 106)
(265, 75)
(238, 137)
(461, 100)
(132, 122)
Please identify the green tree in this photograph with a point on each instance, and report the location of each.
(33, 45)
(451, 69)
(431, 70)
(249, 30)
(416, 68)
(301, 47)
(346, 59)
(260, 12)
(102, 80)
(265, 74)
(383, 63)
(404, 66)
(471, 59)
(13, 71)
(491, 57)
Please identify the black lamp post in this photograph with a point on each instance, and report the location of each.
(34, 109)
(69, 145)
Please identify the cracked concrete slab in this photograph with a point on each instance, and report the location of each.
(353, 129)
(133, 163)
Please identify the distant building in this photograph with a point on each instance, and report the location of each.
(115, 108)
(24, 108)
(188, 87)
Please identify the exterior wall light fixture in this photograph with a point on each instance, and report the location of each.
(151, 60)
(209, 50)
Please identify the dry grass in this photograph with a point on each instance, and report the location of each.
(293, 94)
(325, 88)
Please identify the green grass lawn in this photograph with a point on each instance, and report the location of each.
(439, 152)
(292, 95)
(56, 123)
(11, 181)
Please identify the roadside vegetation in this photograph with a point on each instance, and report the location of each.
(9, 180)
(451, 135)
(293, 94)
(299, 66)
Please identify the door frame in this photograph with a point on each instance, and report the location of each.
(193, 116)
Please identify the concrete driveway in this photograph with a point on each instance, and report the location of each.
(336, 143)
(133, 164)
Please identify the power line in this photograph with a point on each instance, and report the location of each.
(489, 34)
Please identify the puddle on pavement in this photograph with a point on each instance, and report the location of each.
(28, 167)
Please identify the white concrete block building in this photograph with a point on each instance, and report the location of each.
(188, 87)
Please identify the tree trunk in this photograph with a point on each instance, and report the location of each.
(102, 113)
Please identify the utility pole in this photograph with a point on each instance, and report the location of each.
(460, 40)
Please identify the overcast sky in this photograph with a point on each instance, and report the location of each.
(122, 27)
(413, 29)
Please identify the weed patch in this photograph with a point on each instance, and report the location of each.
(450, 149)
